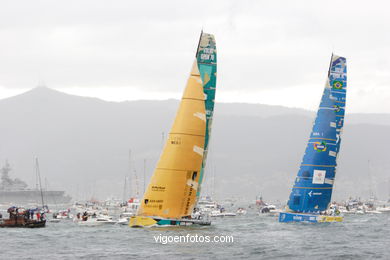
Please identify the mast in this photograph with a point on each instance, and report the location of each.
(213, 192)
(371, 182)
(330, 64)
(133, 174)
(38, 174)
(144, 175)
(125, 190)
(388, 187)
(197, 48)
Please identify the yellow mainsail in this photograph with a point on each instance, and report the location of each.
(171, 192)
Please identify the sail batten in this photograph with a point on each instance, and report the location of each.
(313, 185)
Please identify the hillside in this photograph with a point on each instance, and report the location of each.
(83, 145)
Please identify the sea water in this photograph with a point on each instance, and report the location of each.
(254, 237)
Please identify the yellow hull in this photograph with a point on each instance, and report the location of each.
(140, 221)
(309, 218)
(330, 219)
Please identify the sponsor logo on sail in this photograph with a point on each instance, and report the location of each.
(320, 146)
(337, 84)
(340, 123)
(158, 188)
(319, 177)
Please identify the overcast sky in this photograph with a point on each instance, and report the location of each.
(271, 52)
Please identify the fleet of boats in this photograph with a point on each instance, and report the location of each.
(94, 213)
(172, 197)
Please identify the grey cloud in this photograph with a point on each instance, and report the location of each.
(150, 45)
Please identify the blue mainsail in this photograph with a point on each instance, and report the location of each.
(313, 185)
(206, 56)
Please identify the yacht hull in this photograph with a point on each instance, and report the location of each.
(141, 221)
(311, 218)
(22, 223)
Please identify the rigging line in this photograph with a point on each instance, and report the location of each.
(315, 188)
(179, 170)
(318, 165)
(186, 134)
(323, 138)
(196, 99)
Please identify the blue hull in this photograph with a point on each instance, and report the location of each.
(309, 218)
(297, 217)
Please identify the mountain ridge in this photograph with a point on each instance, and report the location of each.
(83, 145)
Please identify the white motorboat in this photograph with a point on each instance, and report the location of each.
(96, 220)
(54, 220)
(218, 213)
(269, 210)
(241, 211)
(373, 211)
(383, 209)
(124, 218)
(62, 214)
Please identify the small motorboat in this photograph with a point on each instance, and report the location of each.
(96, 220)
(383, 209)
(54, 220)
(124, 218)
(217, 213)
(241, 211)
(269, 209)
(373, 211)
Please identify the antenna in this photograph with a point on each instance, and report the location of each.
(131, 190)
(41, 83)
(371, 192)
(124, 190)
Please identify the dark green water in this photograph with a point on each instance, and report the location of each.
(255, 237)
